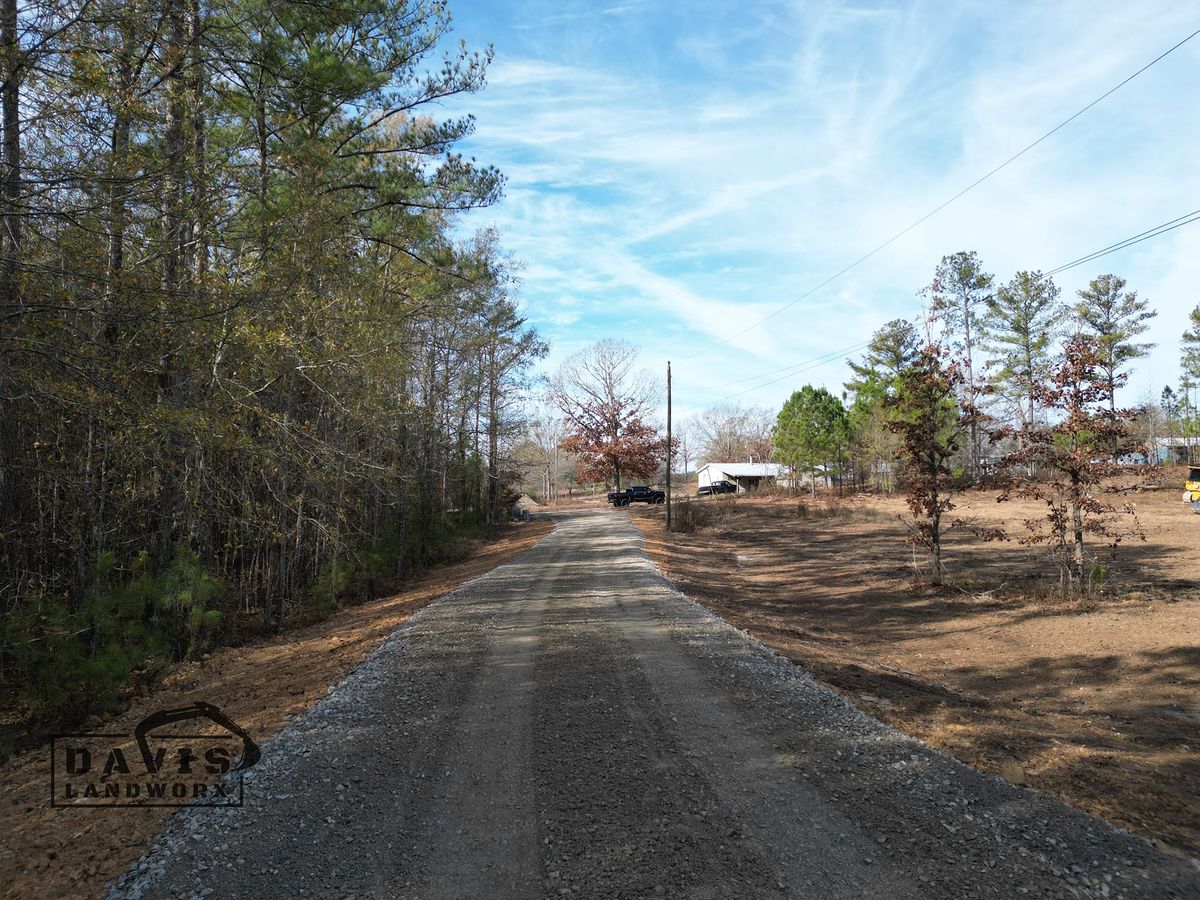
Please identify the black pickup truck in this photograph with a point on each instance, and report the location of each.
(636, 494)
(717, 487)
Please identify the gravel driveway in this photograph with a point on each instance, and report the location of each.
(570, 725)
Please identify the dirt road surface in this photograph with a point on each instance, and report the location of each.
(570, 725)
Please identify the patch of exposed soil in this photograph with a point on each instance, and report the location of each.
(1095, 702)
(59, 853)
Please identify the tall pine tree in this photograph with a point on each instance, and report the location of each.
(1021, 325)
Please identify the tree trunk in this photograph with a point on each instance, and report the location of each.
(169, 379)
(972, 394)
(118, 188)
(10, 101)
(260, 133)
(935, 540)
(935, 529)
(1077, 526)
(1030, 387)
(199, 206)
(10, 112)
(493, 470)
(1112, 410)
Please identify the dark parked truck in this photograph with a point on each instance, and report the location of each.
(717, 487)
(637, 494)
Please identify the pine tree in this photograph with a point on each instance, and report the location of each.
(890, 351)
(959, 294)
(1114, 317)
(1189, 365)
(873, 446)
(811, 431)
(1022, 322)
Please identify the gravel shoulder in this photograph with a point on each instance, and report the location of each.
(571, 725)
(262, 685)
(1093, 700)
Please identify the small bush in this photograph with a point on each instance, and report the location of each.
(691, 515)
(1094, 578)
(181, 598)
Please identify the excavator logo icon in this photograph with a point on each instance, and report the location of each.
(203, 767)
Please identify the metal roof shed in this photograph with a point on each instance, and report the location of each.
(745, 475)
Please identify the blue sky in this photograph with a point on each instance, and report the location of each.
(678, 170)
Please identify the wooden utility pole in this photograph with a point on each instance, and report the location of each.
(668, 445)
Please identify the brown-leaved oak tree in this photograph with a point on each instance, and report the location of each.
(605, 402)
(1074, 460)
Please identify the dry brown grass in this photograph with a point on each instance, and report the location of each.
(1094, 701)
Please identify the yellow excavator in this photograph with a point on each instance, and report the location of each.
(1191, 488)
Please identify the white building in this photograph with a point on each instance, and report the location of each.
(746, 476)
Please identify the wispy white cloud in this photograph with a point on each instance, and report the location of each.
(691, 172)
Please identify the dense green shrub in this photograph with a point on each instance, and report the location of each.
(70, 658)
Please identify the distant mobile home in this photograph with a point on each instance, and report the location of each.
(747, 476)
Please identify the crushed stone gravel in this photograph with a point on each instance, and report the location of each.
(570, 725)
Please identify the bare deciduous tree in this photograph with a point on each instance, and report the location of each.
(606, 402)
(730, 432)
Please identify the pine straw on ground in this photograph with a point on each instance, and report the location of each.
(1094, 701)
(60, 853)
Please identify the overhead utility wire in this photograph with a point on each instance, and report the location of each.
(1169, 225)
(815, 364)
(1179, 222)
(938, 209)
(821, 358)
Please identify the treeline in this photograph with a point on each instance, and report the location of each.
(246, 367)
(1006, 341)
(1004, 384)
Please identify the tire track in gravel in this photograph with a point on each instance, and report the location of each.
(623, 811)
(569, 725)
(489, 761)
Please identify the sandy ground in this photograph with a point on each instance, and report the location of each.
(570, 725)
(1094, 702)
(55, 853)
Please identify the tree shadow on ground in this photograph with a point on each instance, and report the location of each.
(1093, 700)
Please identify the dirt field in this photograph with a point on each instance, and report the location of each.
(55, 853)
(1094, 702)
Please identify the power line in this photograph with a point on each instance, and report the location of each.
(816, 362)
(939, 208)
(833, 353)
(1171, 225)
